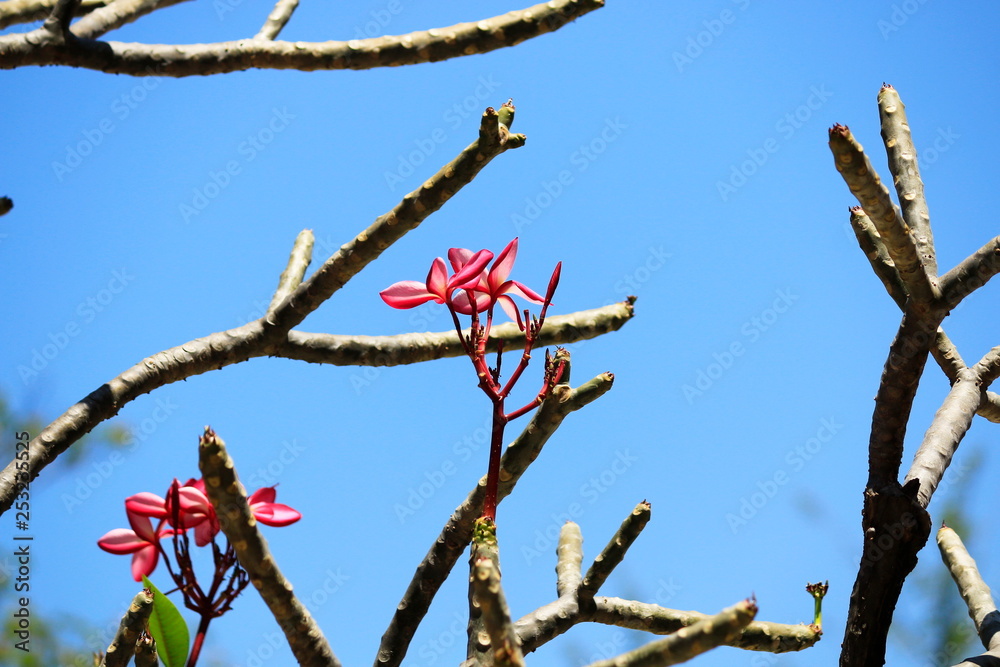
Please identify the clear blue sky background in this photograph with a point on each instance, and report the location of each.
(642, 215)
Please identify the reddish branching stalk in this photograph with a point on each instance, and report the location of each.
(215, 602)
(472, 290)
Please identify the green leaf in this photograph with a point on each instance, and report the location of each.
(168, 629)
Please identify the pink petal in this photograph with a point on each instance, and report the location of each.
(458, 257)
(501, 268)
(144, 562)
(437, 280)
(461, 303)
(510, 308)
(275, 514)
(146, 504)
(406, 294)
(523, 291)
(121, 541)
(470, 274)
(142, 527)
(206, 531)
(265, 494)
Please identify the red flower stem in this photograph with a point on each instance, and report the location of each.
(199, 639)
(493, 474)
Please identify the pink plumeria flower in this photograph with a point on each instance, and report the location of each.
(195, 510)
(268, 512)
(494, 286)
(141, 542)
(438, 287)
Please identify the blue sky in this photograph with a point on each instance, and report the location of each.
(690, 140)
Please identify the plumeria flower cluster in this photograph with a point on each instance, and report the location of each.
(185, 508)
(471, 289)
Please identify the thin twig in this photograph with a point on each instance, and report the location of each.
(298, 262)
(688, 642)
(971, 586)
(569, 556)
(614, 552)
(277, 19)
(115, 15)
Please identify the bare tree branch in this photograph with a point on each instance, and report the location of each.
(497, 644)
(411, 348)
(853, 165)
(902, 156)
(757, 636)
(613, 553)
(136, 617)
(945, 433)
(293, 274)
(463, 39)
(13, 12)
(943, 350)
(229, 498)
(688, 642)
(56, 26)
(569, 555)
(116, 14)
(972, 273)
(277, 19)
(457, 532)
(971, 586)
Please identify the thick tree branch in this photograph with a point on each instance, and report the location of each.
(690, 641)
(902, 156)
(411, 348)
(457, 532)
(277, 19)
(853, 165)
(136, 617)
(492, 639)
(229, 498)
(463, 39)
